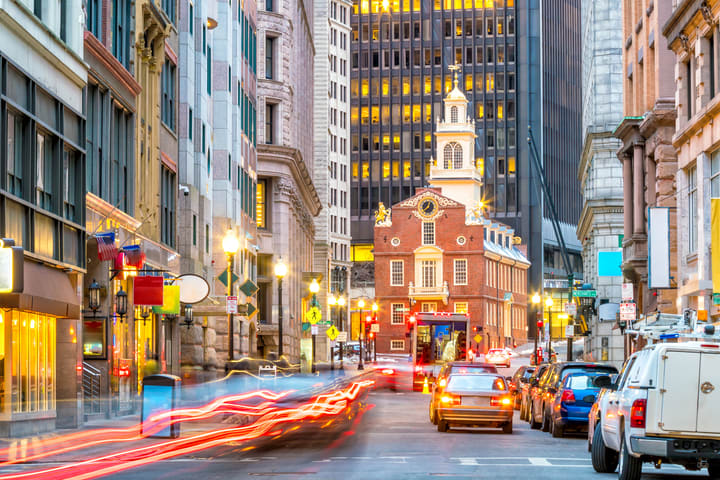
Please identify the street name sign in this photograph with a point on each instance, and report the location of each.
(231, 304)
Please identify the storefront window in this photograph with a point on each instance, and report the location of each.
(33, 361)
(94, 343)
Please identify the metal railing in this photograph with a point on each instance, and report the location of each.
(91, 388)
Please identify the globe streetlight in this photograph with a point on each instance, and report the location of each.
(280, 271)
(231, 245)
(536, 299)
(361, 305)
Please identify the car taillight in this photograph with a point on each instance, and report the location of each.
(418, 368)
(450, 400)
(568, 396)
(500, 401)
(388, 371)
(637, 413)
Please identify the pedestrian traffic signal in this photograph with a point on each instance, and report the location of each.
(371, 335)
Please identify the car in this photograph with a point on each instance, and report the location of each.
(572, 402)
(526, 391)
(475, 400)
(498, 356)
(662, 409)
(593, 416)
(521, 376)
(543, 395)
(448, 369)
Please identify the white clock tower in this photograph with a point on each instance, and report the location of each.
(454, 170)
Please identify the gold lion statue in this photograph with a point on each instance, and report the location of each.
(381, 213)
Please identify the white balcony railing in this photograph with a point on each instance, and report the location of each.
(440, 292)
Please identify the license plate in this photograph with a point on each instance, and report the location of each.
(475, 401)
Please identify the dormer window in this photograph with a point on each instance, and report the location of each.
(499, 237)
(454, 115)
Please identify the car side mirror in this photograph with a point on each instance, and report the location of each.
(604, 381)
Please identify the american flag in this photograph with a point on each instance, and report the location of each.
(106, 246)
(134, 257)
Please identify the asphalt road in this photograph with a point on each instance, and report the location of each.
(395, 440)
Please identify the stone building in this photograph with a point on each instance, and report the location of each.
(218, 173)
(692, 35)
(43, 211)
(647, 155)
(436, 251)
(332, 157)
(600, 227)
(286, 196)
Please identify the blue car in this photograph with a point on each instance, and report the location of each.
(572, 402)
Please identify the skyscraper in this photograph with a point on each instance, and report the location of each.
(520, 66)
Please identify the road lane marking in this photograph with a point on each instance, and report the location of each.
(539, 462)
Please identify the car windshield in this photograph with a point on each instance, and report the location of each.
(475, 383)
(473, 369)
(581, 381)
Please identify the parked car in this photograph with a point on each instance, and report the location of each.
(476, 401)
(662, 409)
(441, 380)
(594, 415)
(572, 402)
(498, 356)
(520, 377)
(543, 395)
(527, 390)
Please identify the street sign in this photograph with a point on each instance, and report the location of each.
(716, 298)
(313, 329)
(332, 343)
(584, 293)
(375, 327)
(477, 338)
(313, 315)
(324, 322)
(332, 332)
(342, 337)
(627, 312)
(627, 291)
(571, 308)
(231, 304)
(569, 331)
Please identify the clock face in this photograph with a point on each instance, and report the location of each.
(427, 207)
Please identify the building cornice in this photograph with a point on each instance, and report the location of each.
(684, 13)
(99, 52)
(697, 123)
(292, 158)
(590, 138)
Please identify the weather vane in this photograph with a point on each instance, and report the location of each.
(455, 68)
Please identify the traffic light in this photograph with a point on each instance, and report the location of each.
(371, 335)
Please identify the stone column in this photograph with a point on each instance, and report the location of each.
(638, 189)
(627, 195)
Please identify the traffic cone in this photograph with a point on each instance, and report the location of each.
(426, 387)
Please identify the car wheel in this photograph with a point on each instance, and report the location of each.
(533, 424)
(629, 467)
(604, 460)
(442, 426)
(714, 470)
(433, 415)
(507, 428)
(545, 421)
(558, 431)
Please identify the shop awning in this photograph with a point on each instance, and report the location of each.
(47, 290)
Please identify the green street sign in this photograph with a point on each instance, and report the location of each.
(584, 293)
(249, 288)
(223, 278)
(325, 322)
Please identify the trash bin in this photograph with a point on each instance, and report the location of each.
(160, 393)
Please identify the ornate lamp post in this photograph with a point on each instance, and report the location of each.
(188, 319)
(121, 303)
(361, 305)
(374, 310)
(536, 301)
(332, 301)
(94, 294)
(549, 304)
(231, 245)
(314, 289)
(280, 271)
(341, 311)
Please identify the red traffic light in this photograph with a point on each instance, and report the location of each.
(372, 335)
(540, 324)
(411, 319)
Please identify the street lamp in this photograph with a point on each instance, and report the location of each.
(549, 304)
(341, 312)
(314, 289)
(536, 301)
(231, 245)
(121, 303)
(188, 319)
(361, 305)
(332, 301)
(280, 272)
(94, 294)
(374, 310)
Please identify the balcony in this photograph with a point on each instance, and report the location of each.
(439, 292)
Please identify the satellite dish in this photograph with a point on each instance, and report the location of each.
(193, 288)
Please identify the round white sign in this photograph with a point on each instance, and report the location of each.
(193, 288)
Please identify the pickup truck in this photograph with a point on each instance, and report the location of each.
(661, 409)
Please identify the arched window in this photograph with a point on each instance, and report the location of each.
(458, 156)
(454, 115)
(448, 156)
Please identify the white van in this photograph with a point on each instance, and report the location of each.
(663, 408)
